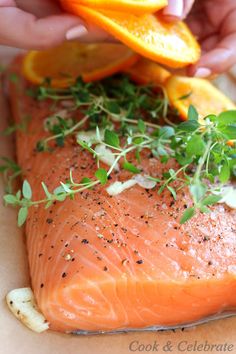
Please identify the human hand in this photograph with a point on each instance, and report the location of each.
(214, 23)
(39, 24)
(177, 9)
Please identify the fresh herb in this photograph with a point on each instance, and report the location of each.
(10, 171)
(22, 126)
(128, 120)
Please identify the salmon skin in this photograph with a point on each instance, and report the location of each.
(102, 264)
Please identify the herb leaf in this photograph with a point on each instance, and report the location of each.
(101, 175)
(26, 190)
(188, 214)
(22, 216)
(111, 138)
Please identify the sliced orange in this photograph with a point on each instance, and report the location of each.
(134, 6)
(145, 72)
(171, 44)
(206, 98)
(65, 63)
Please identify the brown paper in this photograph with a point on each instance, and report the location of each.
(17, 339)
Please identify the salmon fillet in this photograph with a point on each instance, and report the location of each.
(102, 263)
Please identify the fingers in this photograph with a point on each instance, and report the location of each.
(188, 4)
(218, 60)
(24, 30)
(177, 9)
(93, 34)
(174, 10)
(39, 8)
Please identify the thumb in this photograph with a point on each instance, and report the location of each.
(23, 30)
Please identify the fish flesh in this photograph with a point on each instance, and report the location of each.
(107, 263)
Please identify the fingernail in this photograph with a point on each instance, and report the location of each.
(76, 32)
(175, 8)
(203, 72)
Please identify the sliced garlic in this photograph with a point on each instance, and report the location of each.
(22, 304)
(90, 137)
(106, 156)
(144, 182)
(229, 196)
(119, 187)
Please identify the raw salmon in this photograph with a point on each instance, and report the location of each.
(102, 263)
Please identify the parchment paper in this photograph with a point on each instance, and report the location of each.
(16, 339)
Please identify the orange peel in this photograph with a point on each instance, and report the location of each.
(171, 44)
(71, 60)
(202, 94)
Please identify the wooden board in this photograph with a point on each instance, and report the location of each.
(16, 339)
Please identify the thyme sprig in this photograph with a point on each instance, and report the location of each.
(106, 103)
(10, 171)
(127, 119)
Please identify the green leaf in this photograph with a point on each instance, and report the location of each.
(188, 126)
(138, 156)
(167, 132)
(10, 199)
(173, 192)
(59, 190)
(86, 180)
(141, 126)
(40, 146)
(101, 175)
(195, 146)
(211, 200)
(111, 138)
(188, 214)
(229, 131)
(138, 141)
(225, 118)
(18, 195)
(198, 190)
(192, 113)
(183, 160)
(49, 203)
(204, 209)
(130, 167)
(225, 172)
(22, 216)
(26, 190)
(46, 190)
(113, 107)
(61, 197)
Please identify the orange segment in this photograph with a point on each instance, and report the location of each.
(206, 98)
(146, 72)
(170, 44)
(135, 6)
(65, 63)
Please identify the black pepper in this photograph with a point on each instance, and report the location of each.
(140, 261)
(49, 220)
(85, 241)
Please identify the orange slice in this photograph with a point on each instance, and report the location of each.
(65, 63)
(170, 44)
(146, 72)
(206, 98)
(134, 6)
